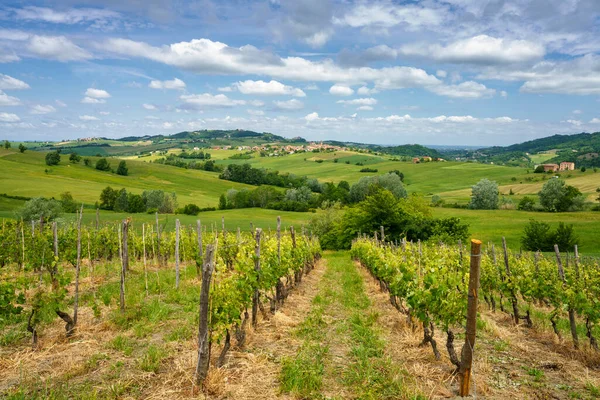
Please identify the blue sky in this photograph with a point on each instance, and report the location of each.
(472, 72)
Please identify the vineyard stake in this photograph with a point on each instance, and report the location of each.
(158, 240)
(55, 237)
(572, 322)
(200, 249)
(97, 218)
(203, 337)
(144, 255)
(123, 262)
(466, 361)
(176, 254)
(255, 296)
(78, 267)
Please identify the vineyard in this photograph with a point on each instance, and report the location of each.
(137, 277)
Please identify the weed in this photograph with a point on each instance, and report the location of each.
(302, 375)
(151, 359)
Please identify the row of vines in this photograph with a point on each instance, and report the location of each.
(42, 266)
(429, 283)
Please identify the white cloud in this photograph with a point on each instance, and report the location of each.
(268, 88)
(312, 86)
(577, 112)
(365, 91)
(97, 93)
(595, 121)
(207, 57)
(7, 117)
(369, 101)
(90, 100)
(312, 116)
(467, 90)
(289, 105)
(70, 16)
(10, 83)
(8, 58)
(480, 49)
(6, 100)
(256, 112)
(225, 89)
(60, 103)
(149, 106)
(42, 109)
(574, 122)
(57, 48)
(385, 14)
(459, 119)
(440, 73)
(341, 90)
(88, 118)
(504, 94)
(104, 113)
(209, 100)
(365, 108)
(256, 103)
(176, 84)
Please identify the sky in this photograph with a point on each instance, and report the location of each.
(433, 72)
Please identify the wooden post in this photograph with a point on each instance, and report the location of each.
(176, 254)
(200, 248)
(572, 322)
(382, 234)
(124, 229)
(55, 238)
(466, 361)
(513, 297)
(144, 257)
(279, 239)
(576, 262)
(293, 233)
(97, 218)
(158, 240)
(203, 328)
(223, 224)
(255, 296)
(77, 267)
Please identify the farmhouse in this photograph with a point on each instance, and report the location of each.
(550, 167)
(416, 160)
(567, 166)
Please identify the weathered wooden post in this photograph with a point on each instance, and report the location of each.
(77, 268)
(97, 218)
(158, 240)
(177, 226)
(144, 256)
(466, 361)
(124, 230)
(255, 296)
(572, 322)
(200, 247)
(203, 328)
(55, 238)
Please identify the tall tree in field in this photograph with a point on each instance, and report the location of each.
(122, 168)
(484, 195)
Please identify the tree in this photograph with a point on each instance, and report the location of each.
(108, 197)
(367, 184)
(6, 144)
(53, 158)
(103, 165)
(526, 204)
(484, 195)
(539, 169)
(22, 148)
(74, 158)
(87, 161)
(557, 196)
(121, 202)
(223, 202)
(122, 168)
(135, 203)
(565, 236)
(583, 169)
(191, 209)
(39, 207)
(537, 236)
(68, 203)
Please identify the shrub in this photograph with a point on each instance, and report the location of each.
(22, 148)
(122, 168)
(6, 144)
(539, 170)
(52, 158)
(68, 203)
(37, 207)
(368, 170)
(526, 204)
(103, 165)
(190, 209)
(583, 169)
(87, 161)
(484, 195)
(74, 158)
(538, 236)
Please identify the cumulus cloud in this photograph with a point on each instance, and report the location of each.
(466, 90)
(56, 48)
(481, 49)
(290, 105)
(305, 20)
(88, 118)
(341, 90)
(60, 103)
(365, 91)
(91, 100)
(10, 83)
(595, 121)
(385, 14)
(312, 116)
(97, 93)
(8, 117)
(256, 112)
(365, 108)
(42, 109)
(149, 106)
(196, 101)
(6, 100)
(359, 102)
(267, 88)
(69, 16)
(176, 84)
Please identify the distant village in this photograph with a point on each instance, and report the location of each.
(275, 150)
(563, 166)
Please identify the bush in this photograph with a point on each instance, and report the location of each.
(52, 158)
(68, 203)
(6, 144)
(583, 169)
(368, 170)
(539, 170)
(22, 148)
(526, 204)
(74, 158)
(87, 162)
(484, 195)
(122, 168)
(190, 209)
(37, 207)
(103, 165)
(537, 236)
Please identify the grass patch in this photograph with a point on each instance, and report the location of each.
(302, 375)
(151, 359)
